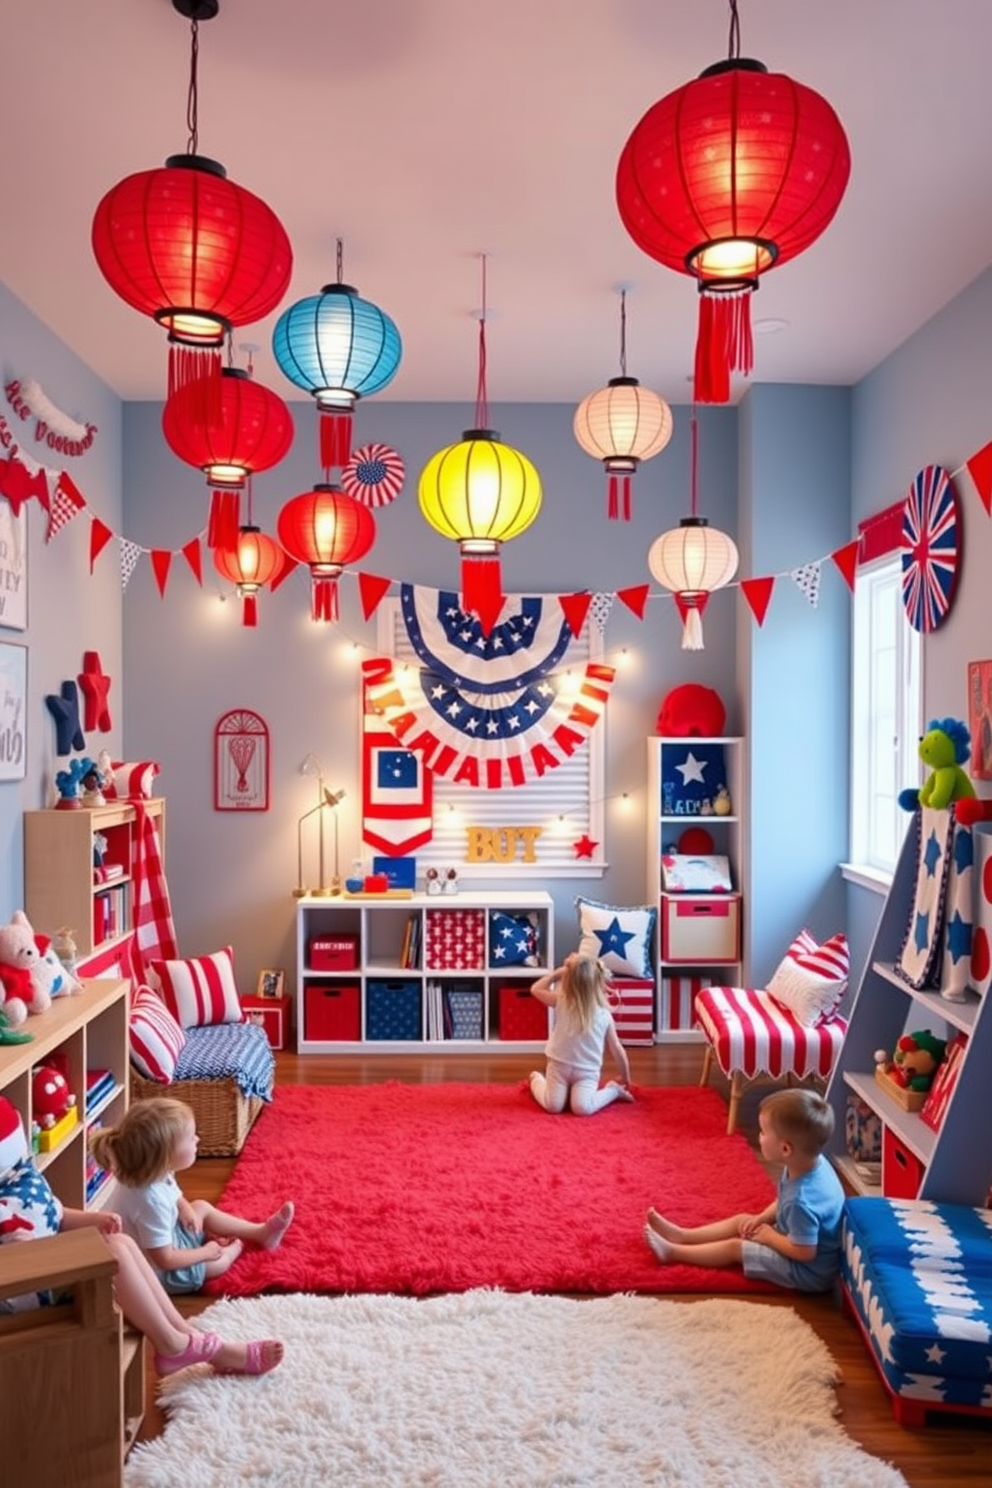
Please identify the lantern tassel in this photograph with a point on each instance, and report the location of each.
(691, 607)
(613, 499)
(482, 589)
(199, 365)
(335, 439)
(324, 600)
(249, 609)
(618, 495)
(724, 344)
(225, 519)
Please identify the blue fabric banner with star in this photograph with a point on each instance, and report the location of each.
(691, 776)
(922, 945)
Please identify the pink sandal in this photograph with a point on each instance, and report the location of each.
(263, 1354)
(202, 1347)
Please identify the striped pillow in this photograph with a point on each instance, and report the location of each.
(156, 1038)
(811, 979)
(200, 991)
(129, 782)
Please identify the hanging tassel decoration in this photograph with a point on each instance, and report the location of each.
(691, 607)
(482, 588)
(225, 518)
(618, 496)
(335, 438)
(199, 365)
(249, 608)
(613, 499)
(324, 599)
(724, 344)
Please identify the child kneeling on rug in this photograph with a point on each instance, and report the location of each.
(795, 1242)
(30, 1210)
(185, 1242)
(583, 1028)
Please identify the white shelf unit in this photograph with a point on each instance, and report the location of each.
(665, 827)
(90, 1031)
(956, 1160)
(380, 925)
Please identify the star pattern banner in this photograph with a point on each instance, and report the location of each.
(488, 710)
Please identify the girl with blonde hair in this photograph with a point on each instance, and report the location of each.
(185, 1241)
(583, 1029)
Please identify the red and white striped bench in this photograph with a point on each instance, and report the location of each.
(754, 1038)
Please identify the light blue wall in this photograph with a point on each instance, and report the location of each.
(795, 508)
(68, 611)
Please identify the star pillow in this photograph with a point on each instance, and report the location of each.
(621, 936)
(512, 940)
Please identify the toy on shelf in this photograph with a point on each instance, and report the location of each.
(30, 971)
(432, 881)
(691, 710)
(9, 1034)
(53, 1104)
(451, 881)
(914, 1060)
(69, 783)
(944, 748)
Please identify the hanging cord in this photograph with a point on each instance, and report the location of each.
(191, 97)
(340, 261)
(481, 395)
(694, 433)
(734, 43)
(623, 333)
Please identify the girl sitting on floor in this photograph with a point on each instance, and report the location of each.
(583, 1028)
(186, 1242)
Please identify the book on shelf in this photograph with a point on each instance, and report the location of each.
(99, 1084)
(405, 947)
(934, 1108)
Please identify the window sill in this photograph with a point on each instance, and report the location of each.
(872, 879)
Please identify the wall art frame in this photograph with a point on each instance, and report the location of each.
(13, 710)
(241, 762)
(13, 567)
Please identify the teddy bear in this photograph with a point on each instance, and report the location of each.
(944, 748)
(30, 971)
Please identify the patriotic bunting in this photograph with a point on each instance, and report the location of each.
(67, 501)
(130, 553)
(600, 609)
(807, 580)
(758, 593)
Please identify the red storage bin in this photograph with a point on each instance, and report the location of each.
(902, 1170)
(270, 1014)
(333, 953)
(332, 1012)
(522, 1017)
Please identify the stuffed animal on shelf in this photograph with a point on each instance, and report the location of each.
(30, 971)
(914, 1061)
(691, 710)
(51, 1098)
(944, 748)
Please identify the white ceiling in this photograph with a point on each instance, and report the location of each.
(428, 132)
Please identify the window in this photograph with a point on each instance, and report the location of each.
(886, 719)
(565, 805)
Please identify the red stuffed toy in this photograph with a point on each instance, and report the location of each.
(691, 711)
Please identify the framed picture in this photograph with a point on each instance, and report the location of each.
(980, 718)
(13, 725)
(271, 983)
(13, 567)
(241, 762)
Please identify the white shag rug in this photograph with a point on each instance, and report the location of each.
(487, 1389)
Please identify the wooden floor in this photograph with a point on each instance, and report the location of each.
(949, 1453)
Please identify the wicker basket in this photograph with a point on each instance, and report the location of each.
(224, 1116)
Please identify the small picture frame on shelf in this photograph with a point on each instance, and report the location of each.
(271, 983)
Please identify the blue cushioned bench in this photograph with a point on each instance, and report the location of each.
(226, 1073)
(917, 1277)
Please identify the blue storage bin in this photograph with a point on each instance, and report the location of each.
(392, 1011)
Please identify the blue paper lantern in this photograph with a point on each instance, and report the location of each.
(340, 348)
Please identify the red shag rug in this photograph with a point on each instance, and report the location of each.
(441, 1188)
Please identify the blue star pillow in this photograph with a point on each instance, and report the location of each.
(512, 939)
(622, 936)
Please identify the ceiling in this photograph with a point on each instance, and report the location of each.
(426, 133)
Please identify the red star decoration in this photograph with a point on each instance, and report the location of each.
(95, 685)
(585, 847)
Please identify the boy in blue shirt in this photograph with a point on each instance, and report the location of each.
(795, 1242)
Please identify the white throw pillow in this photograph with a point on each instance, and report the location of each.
(811, 979)
(621, 936)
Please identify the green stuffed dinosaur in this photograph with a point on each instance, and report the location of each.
(944, 747)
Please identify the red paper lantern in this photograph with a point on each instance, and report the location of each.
(325, 529)
(727, 177)
(253, 560)
(194, 251)
(252, 431)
